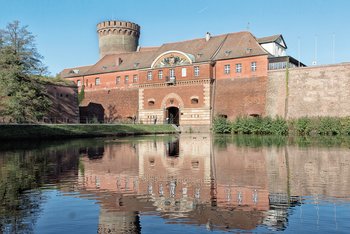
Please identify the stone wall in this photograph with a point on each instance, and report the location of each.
(240, 96)
(311, 91)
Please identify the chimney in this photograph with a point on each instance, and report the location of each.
(207, 36)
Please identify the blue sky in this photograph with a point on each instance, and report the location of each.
(66, 36)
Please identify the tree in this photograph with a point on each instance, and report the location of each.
(22, 96)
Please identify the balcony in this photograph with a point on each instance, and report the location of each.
(170, 80)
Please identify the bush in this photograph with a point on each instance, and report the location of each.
(305, 126)
(221, 125)
(260, 126)
(302, 126)
(329, 126)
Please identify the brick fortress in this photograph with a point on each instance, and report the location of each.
(189, 82)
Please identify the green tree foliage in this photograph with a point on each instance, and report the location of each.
(22, 96)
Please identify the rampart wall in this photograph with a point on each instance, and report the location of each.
(309, 91)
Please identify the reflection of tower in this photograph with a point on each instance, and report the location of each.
(117, 37)
(118, 222)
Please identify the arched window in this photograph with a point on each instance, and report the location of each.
(151, 102)
(194, 100)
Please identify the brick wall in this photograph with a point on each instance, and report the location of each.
(235, 97)
(65, 106)
(117, 103)
(185, 92)
(261, 67)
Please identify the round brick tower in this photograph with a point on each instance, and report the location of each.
(117, 37)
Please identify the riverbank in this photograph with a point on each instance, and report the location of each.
(63, 131)
(305, 126)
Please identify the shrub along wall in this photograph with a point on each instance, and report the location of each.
(305, 126)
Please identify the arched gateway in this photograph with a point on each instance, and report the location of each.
(172, 115)
(172, 104)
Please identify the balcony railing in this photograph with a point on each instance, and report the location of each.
(170, 79)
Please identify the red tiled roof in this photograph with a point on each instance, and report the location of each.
(226, 46)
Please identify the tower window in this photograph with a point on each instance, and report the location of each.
(227, 69)
(196, 71)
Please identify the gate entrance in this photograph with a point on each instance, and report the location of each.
(172, 115)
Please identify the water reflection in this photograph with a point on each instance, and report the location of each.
(196, 180)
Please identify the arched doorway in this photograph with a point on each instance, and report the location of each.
(173, 115)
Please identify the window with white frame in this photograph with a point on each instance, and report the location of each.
(117, 80)
(172, 73)
(238, 67)
(183, 72)
(227, 69)
(97, 81)
(126, 81)
(135, 78)
(253, 66)
(196, 71)
(78, 83)
(149, 75)
(160, 74)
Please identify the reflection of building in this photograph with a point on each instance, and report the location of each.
(230, 187)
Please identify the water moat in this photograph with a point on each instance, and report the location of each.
(195, 183)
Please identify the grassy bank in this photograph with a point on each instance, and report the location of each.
(61, 131)
(305, 126)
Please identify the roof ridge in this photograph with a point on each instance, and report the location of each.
(200, 38)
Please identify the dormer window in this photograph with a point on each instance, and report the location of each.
(228, 52)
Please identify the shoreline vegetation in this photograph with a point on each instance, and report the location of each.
(65, 131)
(305, 126)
